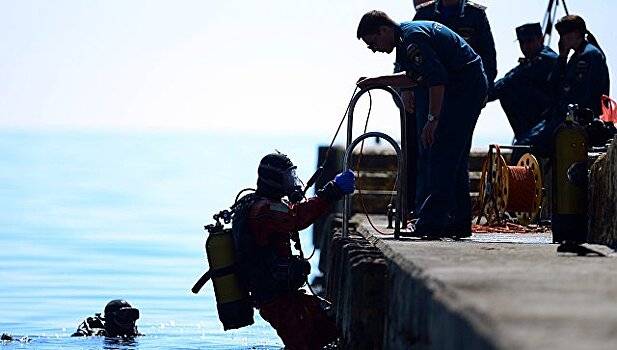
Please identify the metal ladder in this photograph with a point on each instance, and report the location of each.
(401, 156)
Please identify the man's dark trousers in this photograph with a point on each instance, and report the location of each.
(448, 205)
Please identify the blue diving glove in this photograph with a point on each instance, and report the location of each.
(346, 182)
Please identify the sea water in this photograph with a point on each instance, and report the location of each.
(87, 217)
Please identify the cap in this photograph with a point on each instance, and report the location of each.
(528, 31)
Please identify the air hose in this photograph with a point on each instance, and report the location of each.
(319, 172)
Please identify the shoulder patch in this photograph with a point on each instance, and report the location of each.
(280, 207)
(425, 4)
(412, 50)
(414, 54)
(476, 5)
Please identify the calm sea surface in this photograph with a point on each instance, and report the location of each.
(90, 217)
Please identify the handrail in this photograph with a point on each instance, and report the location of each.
(402, 170)
(399, 184)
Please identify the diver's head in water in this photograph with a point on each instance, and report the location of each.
(120, 318)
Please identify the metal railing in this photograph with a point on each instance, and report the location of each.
(399, 200)
(401, 153)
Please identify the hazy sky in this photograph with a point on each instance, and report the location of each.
(269, 67)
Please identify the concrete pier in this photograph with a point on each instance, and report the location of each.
(491, 291)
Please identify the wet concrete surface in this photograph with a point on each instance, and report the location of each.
(514, 290)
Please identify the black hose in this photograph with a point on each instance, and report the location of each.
(319, 172)
(242, 191)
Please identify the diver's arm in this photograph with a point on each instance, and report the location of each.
(82, 330)
(272, 217)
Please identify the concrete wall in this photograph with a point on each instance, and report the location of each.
(419, 317)
(384, 303)
(356, 284)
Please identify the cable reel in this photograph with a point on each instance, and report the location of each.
(510, 189)
(529, 162)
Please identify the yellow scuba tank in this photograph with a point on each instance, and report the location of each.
(233, 303)
(569, 192)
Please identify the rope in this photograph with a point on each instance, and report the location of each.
(508, 227)
(522, 179)
(518, 187)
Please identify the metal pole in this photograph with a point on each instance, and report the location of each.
(399, 186)
(399, 103)
(565, 7)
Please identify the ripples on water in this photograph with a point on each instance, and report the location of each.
(86, 218)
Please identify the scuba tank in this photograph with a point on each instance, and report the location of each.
(569, 192)
(233, 302)
(243, 276)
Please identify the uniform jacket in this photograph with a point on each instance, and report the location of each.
(582, 80)
(434, 55)
(525, 91)
(470, 22)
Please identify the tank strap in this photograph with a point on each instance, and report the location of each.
(212, 273)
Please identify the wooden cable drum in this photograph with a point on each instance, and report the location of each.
(491, 205)
(500, 186)
(519, 189)
(514, 189)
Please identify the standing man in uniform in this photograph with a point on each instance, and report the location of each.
(468, 20)
(431, 56)
(524, 92)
